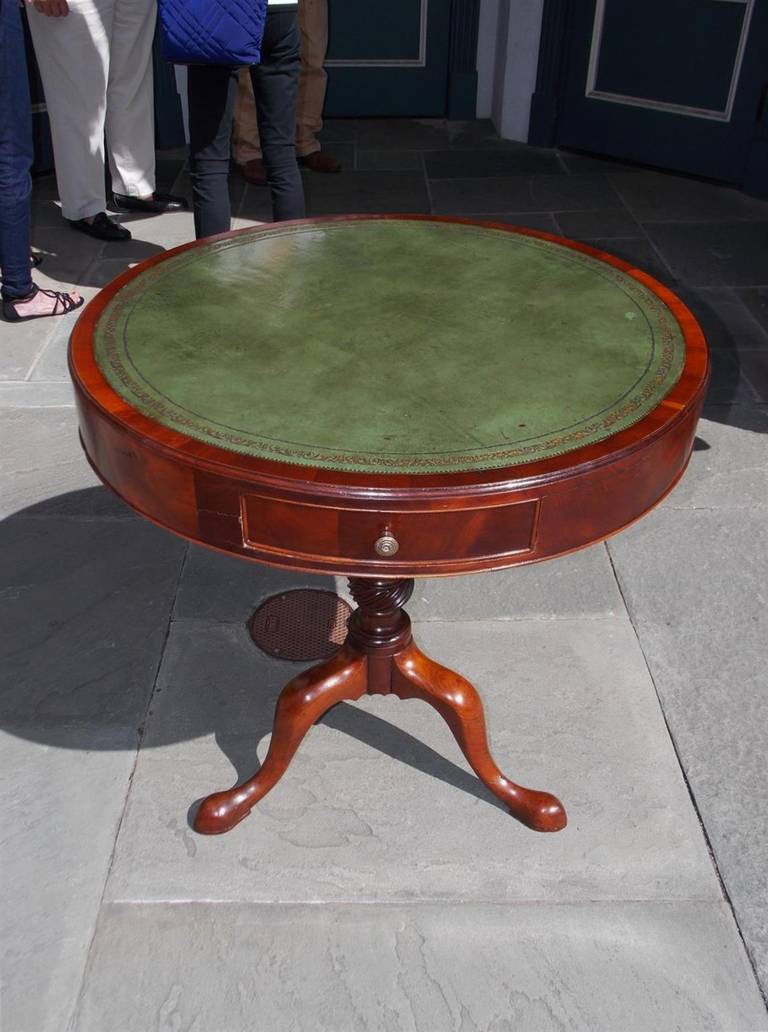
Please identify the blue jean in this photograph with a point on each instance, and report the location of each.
(15, 155)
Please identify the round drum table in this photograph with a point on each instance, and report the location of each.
(388, 398)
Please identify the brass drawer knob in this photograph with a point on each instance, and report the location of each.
(386, 545)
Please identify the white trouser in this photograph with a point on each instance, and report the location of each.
(96, 67)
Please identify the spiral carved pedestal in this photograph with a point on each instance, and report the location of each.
(378, 657)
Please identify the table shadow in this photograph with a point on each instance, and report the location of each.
(371, 730)
(83, 634)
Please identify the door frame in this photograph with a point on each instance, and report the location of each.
(551, 79)
(556, 20)
(458, 91)
(462, 59)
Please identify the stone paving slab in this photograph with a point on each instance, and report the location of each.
(61, 808)
(383, 133)
(754, 366)
(728, 321)
(387, 160)
(756, 300)
(484, 162)
(51, 365)
(45, 460)
(713, 254)
(373, 192)
(66, 254)
(84, 610)
(89, 503)
(728, 384)
(20, 394)
(578, 585)
(586, 225)
(575, 161)
(729, 468)
(633, 967)
(652, 196)
(46, 210)
(521, 193)
(224, 588)
(571, 709)
(753, 924)
(21, 345)
(695, 585)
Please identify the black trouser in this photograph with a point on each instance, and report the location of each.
(212, 90)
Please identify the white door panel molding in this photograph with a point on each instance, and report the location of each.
(724, 115)
(413, 62)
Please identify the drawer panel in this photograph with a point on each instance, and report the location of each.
(423, 536)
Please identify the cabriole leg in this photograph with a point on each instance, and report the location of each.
(302, 702)
(416, 676)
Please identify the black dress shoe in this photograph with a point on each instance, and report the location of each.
(154, 205)
(102, 227)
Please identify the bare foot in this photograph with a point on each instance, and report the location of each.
(41, 303)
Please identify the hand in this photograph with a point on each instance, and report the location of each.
(51, 8)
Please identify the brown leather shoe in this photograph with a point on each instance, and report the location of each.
(319, 162)
(253, 171)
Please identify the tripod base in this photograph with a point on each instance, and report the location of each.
(378, 657)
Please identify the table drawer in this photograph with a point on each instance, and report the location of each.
(421, 536)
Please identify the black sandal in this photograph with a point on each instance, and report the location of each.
(35, 260)
(65, 303)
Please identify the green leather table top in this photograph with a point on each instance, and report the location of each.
(390, 346)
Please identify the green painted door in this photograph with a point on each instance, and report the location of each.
(679, 84)
(388, 59)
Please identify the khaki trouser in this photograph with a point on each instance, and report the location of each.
(313, 24)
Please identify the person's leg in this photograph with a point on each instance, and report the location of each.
(211, 93)
(313, 24)
(73, 56)
(246, 145)
(130, 118)
(21, 299)
(275, 82)
(15, 155)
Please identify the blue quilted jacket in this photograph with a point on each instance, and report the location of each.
(222, 32)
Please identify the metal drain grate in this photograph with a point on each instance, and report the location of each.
(301, 625)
